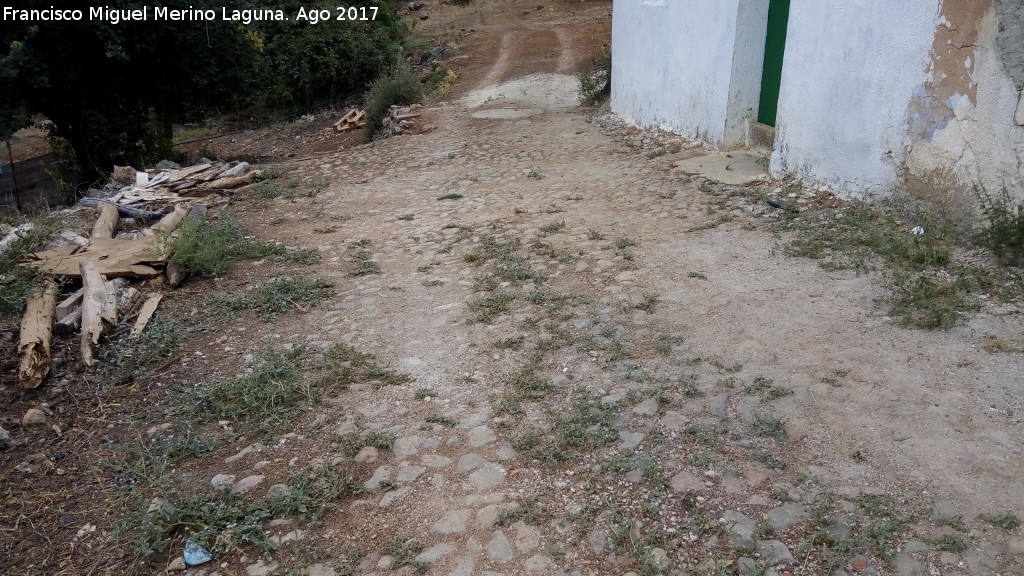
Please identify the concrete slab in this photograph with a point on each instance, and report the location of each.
(736, 168)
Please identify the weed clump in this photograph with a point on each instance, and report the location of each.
(280, 294)
(596, 80)
(207, 249)
(1004, 235)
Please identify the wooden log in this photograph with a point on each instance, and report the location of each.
(96, 310)
(126, 211)
(228, 182)
(106, 223)
(148, 308)
(168, 223)
(36, 331)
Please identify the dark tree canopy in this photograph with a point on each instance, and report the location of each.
(113, 91)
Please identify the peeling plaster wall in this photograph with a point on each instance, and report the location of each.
(966, 124)
(688, 66)
(850, 69)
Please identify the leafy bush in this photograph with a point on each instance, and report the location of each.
(1005, 232)
(596, 80)
(398, 87)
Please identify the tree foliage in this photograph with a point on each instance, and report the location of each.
(112, 91)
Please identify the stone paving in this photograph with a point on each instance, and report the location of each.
(691, 481)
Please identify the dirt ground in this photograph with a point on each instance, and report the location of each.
(639, 296)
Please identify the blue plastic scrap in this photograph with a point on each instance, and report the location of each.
(196, 554)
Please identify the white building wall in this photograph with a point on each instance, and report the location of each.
(850, 70)
(676, 65)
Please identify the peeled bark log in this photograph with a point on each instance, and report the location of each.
(168, 223)
(106, 223)
(98, 307)
(36, 331)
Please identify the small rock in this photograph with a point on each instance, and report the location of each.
(1015, 545)
(393, 495)
(740, 528)
(463, 568)
(659, 559)
(368, 454)
(434, 553)
(279, 492)
(648, 407)
(747, 566)
(321, 570)
(223, 481)
(36, 463)
(453, 522)
(409, 474)
(481, 436)
(435, 460)
(630, 440)
(407, 447)
(527, 538)
(5, 438)
(949, 558)
(774, 552)
(487, 476)
(250, 449)
(539, 564)
(380, 476)
(160, 511)
(245, 485)
(598, 540)
(293, 536)
(499, 549)
(469, 462)
(34, 417)
(719, 405)
(788, 514)
(685, 481)
(176, 565)
(261, 568)
(908, 566)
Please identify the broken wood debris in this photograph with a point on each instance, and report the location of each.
(104, 260)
